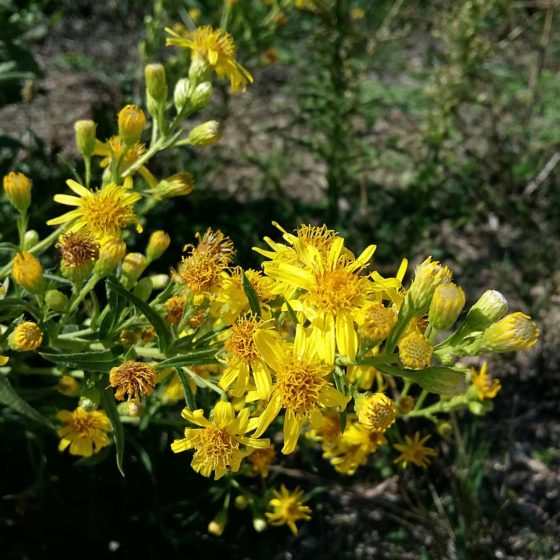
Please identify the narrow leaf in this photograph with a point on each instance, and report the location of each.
(103, 360)
(108, 403)
(251, 294)
(189, 396)
(200, 358)
(11, 399)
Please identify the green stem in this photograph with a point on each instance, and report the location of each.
(84, 292)
(421, 399)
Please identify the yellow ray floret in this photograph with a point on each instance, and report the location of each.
(288, 508)
(101, 212)
(215, 48)
(218, 442)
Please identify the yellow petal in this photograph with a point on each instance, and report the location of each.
(269, 414)
(223, 414)
(346, 337)
(292, 429)
(269, 344)
(77, 188)
(262, 378)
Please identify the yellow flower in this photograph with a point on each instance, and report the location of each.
(200, 270)
(376, 412)
(414, 451)
(215, 49)
(115, 152)
(486, 388)
(4, 360)
(25, 337)
(133, 379)
(84, 431)
(332, 290)
(231, 301)
(301, 386)
(218, 441)
(288, 508)
(28, 272)
(68, 386)
(101, 213)
(415, 351)
(354, 448)
(157, 245)
(515, 331)
(244, 358)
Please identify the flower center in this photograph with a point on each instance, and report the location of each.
(379, 321)
(335, 290)
(106, 211)
(240, 344)
(299, 385)
(214, 445)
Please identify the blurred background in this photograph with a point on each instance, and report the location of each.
(428, 127)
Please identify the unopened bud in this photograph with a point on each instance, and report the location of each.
(159, 281)
(447, 304)
(110, 255)
(241, 502)
(156, 82)
(77, 274)
(56, 300)
(85, 137)
(515, 331)
(182, 94)
(428, 276)
(131, 124)
(25, 337)
(490, 307)
(28, 272)
(133, 266)
(259, 524)
(17, 187)
(201, 95)
(30, 239)
(180, 184)
(68, 386)
(205, 134)
(157, 245)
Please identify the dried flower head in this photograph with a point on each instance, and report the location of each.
(133, 379)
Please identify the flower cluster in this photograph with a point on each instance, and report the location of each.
(315, 349)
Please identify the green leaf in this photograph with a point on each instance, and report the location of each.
(110, 406)
(162, 330)
(103, 360)
(11, 399)
(251, 294)
(200, 358)
(444, 381)
(189, 397)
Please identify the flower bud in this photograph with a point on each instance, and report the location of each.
(201, 95)
(156, 82)
(77, 274)
(180, 184)
(490, 307)
(259, 524)
(131, 124)
(415, 351)
(159, 281)
(110, 255)
(205, 134)
(26, 336)
(17, 187)
(182, 94)
(241, 501)
(133, 266)
(56, 300)
(444, 428)
(515, 331)
(68, 386)
(376, 411)
(447, 304)
(85, 136)
(30, 239)
(378, 320)
(218, 524)
(429, 275)
(405, 404)
(157, 245)
(143, 289)
(200, 70)
(28, 272)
